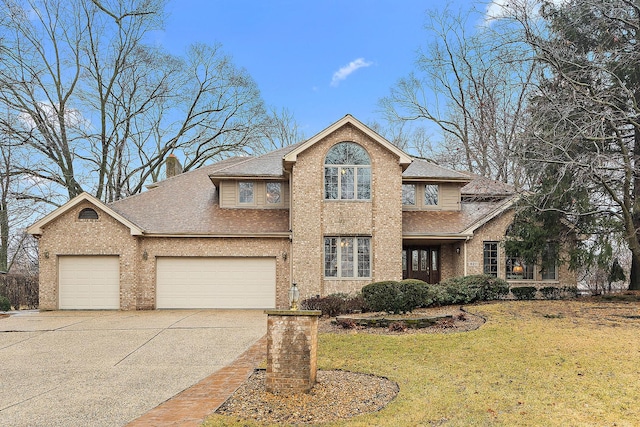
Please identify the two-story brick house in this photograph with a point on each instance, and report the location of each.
(334, 213)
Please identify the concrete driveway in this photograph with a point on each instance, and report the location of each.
(106, 368)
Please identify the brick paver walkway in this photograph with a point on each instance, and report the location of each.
(190, 407)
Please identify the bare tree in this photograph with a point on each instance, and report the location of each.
(473, 87)
(280, 130)
(101, 109)
(584, 139)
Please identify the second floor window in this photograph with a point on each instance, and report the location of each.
(347, 173)
(274, 193)
(431, 195)
(245, 192)
(409, 194)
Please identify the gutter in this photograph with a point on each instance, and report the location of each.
(274, 235)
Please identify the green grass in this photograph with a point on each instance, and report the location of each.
(534, 363)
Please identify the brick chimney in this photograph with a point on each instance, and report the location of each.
(173, 166)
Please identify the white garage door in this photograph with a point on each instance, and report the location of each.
(89, 282)
(224, 282)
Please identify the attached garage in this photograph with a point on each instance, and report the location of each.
(89, 282)
(215, 282)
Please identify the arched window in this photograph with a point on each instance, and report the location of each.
(347, 173)
(88, 213)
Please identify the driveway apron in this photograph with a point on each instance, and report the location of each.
(106, 368)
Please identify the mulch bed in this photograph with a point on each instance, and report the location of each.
(337, 394)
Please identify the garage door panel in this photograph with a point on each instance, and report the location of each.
(89, 282)
(221, 282)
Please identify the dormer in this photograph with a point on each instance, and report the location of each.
(427, 186)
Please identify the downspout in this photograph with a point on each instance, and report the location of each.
(290, 227)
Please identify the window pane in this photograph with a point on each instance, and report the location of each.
(245, 192)
(330, 257)
(434, 259)
(364, 183)
(430, 195)
(347, 153)
(414, 260)
(424, 260)
(347, 183)
(408, 194)
(346, 257)
(490, 258)
(404, 260)
(331, 183)
(273, 192)
(512, 266)
(364, 258)
(549, 262)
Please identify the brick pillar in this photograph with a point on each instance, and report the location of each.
(292, 343)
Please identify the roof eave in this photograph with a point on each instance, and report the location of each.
(404, 159)
(434, 179)
(275, 234)
(37, 227)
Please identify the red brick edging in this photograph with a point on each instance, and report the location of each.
(191, 406)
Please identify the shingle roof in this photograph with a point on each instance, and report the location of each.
(435, 223)
(481, 186)
(424, 169)
(269, 164)
(188, 204)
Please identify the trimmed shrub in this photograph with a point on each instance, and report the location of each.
(524, 292)
(551, 292)
(570, 291)
(411, 295)
(435, 295)
(466, 290)
(5, 304)
(382, 296)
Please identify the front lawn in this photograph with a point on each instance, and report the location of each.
(534, 363)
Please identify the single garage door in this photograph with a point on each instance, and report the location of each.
(221, 282)
(89, 282)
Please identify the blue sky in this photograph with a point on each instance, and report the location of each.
(320, 59)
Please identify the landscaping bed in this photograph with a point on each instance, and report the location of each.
(340, 394)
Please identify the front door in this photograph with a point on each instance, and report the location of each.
(421, 262)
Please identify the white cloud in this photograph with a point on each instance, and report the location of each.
(74, 118)
(345, 71)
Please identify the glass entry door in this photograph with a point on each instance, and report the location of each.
(421, 262)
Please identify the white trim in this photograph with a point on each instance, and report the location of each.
(404, 159)
(36, 228)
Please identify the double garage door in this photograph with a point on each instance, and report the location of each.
(93, 282)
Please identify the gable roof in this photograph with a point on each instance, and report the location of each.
(36, 228)
(452, 224)
(404, 158)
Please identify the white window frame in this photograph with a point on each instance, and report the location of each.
(341, 256)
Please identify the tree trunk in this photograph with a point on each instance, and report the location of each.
(634, 276)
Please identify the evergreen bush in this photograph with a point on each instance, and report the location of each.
(524, 292)
(5, 304)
